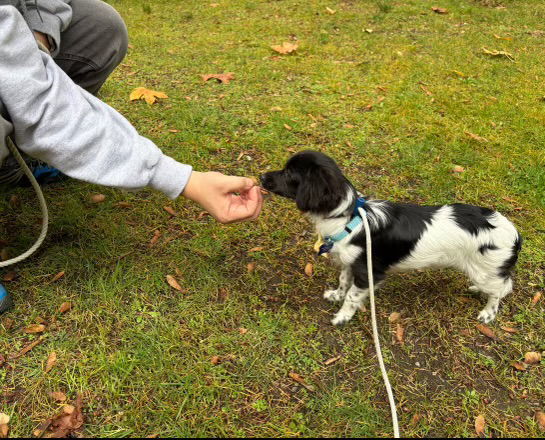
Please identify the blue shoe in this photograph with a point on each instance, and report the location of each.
(5, 300)
(12, 174)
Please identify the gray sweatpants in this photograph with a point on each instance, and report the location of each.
(91, 48)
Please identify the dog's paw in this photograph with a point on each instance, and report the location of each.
(341, 318)
(486, 316)
(332, 295)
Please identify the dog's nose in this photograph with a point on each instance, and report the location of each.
(266, 181)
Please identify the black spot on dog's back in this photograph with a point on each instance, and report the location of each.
(472, 218)
(507, 267)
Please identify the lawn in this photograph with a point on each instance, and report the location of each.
(399, 95)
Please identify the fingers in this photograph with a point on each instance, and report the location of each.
(238, 184)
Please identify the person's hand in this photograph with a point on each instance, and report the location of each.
(42, 38)
(227, 198)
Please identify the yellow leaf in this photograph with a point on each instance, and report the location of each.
(35, 328)
(150, 96)
(172, 282)
(309, 269)
(480, 424)
(51, 361)
(285, 48)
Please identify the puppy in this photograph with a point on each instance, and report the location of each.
(477, 241)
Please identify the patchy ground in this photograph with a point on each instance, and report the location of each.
(400, 95)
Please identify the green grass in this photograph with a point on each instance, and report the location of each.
(140, 352)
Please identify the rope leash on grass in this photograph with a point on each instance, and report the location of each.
(374, 322)
(43, 208)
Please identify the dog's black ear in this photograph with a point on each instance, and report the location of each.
(320, 190)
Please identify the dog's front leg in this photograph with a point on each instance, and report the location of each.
(346, 279)
(355, 297)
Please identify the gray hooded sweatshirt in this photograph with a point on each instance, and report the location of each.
(60, 123)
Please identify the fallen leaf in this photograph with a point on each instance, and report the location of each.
(170, 210)
(57, 277)
(98, 198)
(476, 137)
(8, 323)
(333, 360)
(369, 31)
(458, 169)
(26, 349)
(123, 205)
(309, 269)
(65, 307)
(250, 267)
(285, 48)
(509, 329)
(4, 419)
(498, 53)
(532, 357)
(400, 334)
(536, 298)
(256, 249)
(223, 295)
(35, 328)
(51, 361)
(14, 201)
(173, 130)
(297, 378)
(172, 282)
(58, 396)
(487, 331)
(288, 127)
(276, 109)
(223, 78)
(10, 276)
(215, 360)
(480, 424)
(394, 317)
(4, 254)
(502, 38)
(540, 417)
(243, 331)
(65, 424)
(150, 96)
(202, 214)
(518, 366)
(330, 11)
(4, 431)
(155, 238)
(438, 10)
(426, 91)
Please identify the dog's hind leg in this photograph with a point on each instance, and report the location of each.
(346, 279)
(496, 289)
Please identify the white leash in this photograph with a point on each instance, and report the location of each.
(43, 207)
(374, 323)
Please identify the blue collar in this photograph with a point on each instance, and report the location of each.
(356, 220)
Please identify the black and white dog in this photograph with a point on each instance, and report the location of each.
(477, 241)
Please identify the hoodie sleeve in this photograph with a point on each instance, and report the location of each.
(50, 17)
(60, 123)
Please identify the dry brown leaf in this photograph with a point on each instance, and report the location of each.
(518, 366)
(511, 330)
(400, 334)
(26, 349)
(540, 417)
(170, 210)
(256, 249)
(502, 38)
(4, 419)
(172, 282)
(57, 277)
(242, 330)
(394, 317)
(476, 137)
(4, 254)
(285, 48)
(51, 361)
(35, 328)
(65, 307)
(97, 198)
(223, 78)
(215, 360)
(4, 431)
(8, 323)
(498, 53)
(458, 169)
(68, 422)
(10, 276)
(250, 267)
(173, 130)
(58, 396)
(536, 298)
(487, 331)
(297, 378)
(288, 127)
(333, 360)
(223, 295)
(426, 91)
(532, 357)
(155, 238)
(123, 205)
(150, 96)
(438, 10)
(309, 269)
(480, 425)
(330, 11)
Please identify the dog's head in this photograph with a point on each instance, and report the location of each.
(310, 178)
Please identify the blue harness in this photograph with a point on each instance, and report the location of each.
(356, 220)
